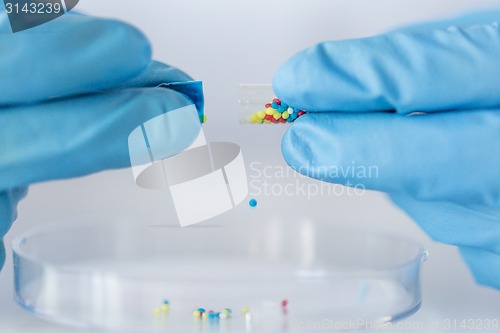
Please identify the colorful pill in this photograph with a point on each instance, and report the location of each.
(276, 112)
(196, 313)
(270, 111)
(254, 119)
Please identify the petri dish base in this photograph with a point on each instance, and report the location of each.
(116, 276)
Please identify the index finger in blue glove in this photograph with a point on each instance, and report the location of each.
(430, 70)
(74, 54)
(438, 156)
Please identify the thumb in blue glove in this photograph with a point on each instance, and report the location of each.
(442, 168)
(73, 91)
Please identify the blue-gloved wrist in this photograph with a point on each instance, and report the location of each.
(484, 265)
(9, 200)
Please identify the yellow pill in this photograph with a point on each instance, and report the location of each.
(255, 117)
(226, 312)
(261, 114)
(204, 119)
(196, 313)
(245, 309)
(267, 121)
(277, 115)
(271, 111)
(285, 115)
(157, 310)
(165, 307)
(205, 315)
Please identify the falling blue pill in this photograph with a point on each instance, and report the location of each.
(252, 203)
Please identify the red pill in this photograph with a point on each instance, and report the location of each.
(268, 105)
(300, 113)
(277, 101)
(284, 303)
(281, 120)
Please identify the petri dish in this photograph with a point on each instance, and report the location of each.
(116, 276)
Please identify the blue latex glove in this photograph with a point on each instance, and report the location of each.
(72, 91)
(442, 168)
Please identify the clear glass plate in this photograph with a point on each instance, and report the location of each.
(114, 275)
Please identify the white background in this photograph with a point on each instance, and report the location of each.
(225, 43)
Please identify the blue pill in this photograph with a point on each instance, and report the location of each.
(275, 105)
(202, 310)
(284, 105)
(282, 109)
(252, 203)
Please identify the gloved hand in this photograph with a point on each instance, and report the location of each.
(442, 167)
(71, 92)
